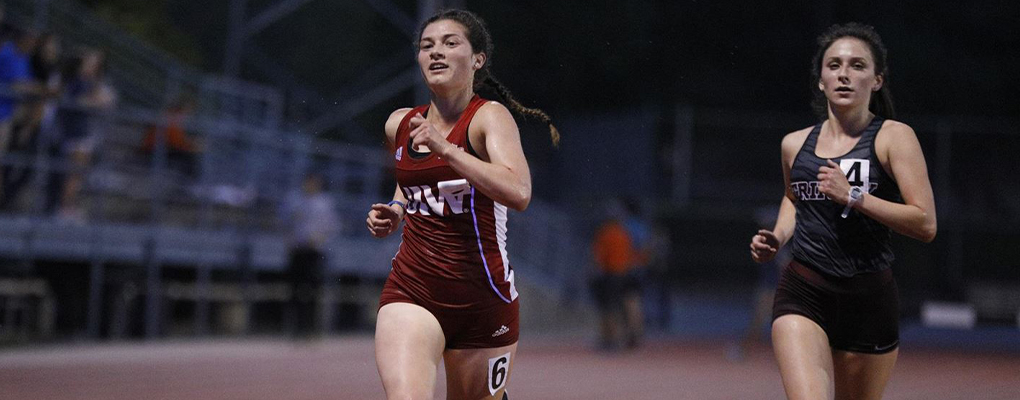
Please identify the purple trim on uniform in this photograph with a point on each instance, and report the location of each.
(485, 263)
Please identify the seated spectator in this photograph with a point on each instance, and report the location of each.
(86, 96)
(311, 221)
(36, 117)
(15, 82)
(181, 149)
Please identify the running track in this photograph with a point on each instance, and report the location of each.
(547, 368)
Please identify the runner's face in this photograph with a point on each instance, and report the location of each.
(848, 74)
(445, 55)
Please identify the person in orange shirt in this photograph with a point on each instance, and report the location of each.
(617, 289)
(181, 149)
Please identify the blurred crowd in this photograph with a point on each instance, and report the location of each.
(50, 96)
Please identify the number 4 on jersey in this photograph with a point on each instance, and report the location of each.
(857, 171)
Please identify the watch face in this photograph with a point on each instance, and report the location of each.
(856, 192)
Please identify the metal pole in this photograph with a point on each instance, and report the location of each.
(944, 159)
(153, 264)
(203, 278)
(154, 288)
(202, 302)
(953, 266)
(246, 261)
(235, 39)
(682, 160)
(153, 280)
(97, 278)
(97, 253)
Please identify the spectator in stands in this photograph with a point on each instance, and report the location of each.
(311, 222)
(181, 149)
(37, 116)
(15, 82)
(86, 97)
(640, 231)
(617, 288)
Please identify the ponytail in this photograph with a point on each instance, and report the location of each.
(520, 109)
(481, 42)
(882, 104)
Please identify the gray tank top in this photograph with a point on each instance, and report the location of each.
(838, 246)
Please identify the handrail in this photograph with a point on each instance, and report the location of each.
(153, 76)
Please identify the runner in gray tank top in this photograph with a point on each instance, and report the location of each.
(850, 180)
(823, 238)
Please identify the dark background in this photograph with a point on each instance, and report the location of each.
(945, 57)
(613, 75)
(613, 72)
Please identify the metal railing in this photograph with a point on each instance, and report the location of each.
(146, 76)
(140, 209)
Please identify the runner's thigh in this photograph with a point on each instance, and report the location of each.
(408, 346)
(473, 374)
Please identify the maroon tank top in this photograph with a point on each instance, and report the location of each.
(453, 248)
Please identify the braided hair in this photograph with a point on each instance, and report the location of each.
(481, 42)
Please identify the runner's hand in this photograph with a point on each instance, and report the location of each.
(383, 220)
(764, 246)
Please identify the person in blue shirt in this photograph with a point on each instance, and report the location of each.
(15, 80)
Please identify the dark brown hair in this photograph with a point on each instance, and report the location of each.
(881, 101)
(481, 42)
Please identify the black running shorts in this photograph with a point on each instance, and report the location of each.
(859, 314)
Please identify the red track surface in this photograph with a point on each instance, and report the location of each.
(547, 368)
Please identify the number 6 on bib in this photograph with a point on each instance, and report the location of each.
(498, 370)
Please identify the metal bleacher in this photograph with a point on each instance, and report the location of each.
(221, 227)
(139, 212)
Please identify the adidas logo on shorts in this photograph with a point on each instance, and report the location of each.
(502, 329)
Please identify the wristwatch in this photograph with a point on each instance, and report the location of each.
(853, 197)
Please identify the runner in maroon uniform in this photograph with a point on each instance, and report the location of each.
(459, 163)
